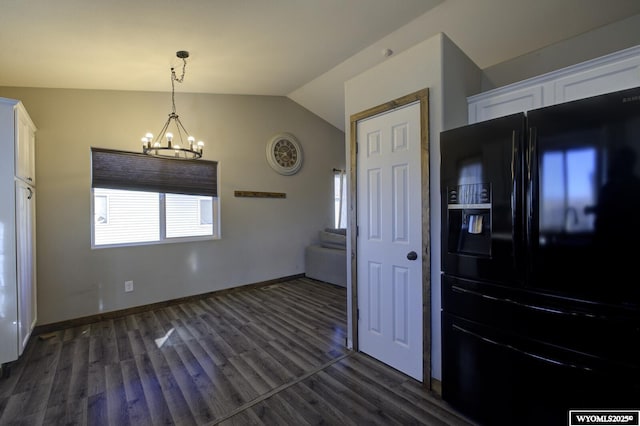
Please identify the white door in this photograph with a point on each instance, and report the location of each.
(25, 252)
(389, 241)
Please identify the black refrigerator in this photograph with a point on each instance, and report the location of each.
(541, 262)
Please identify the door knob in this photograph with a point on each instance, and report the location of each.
(412, 255)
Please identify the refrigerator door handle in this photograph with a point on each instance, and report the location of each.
(523, 305)
(514, 195)
(520, 351)
(530, 189)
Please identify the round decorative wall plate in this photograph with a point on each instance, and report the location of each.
(284, 154)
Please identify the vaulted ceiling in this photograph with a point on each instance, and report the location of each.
(304, 49)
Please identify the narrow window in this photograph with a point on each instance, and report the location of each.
(340, 198)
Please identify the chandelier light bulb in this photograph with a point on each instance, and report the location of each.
(149, 136)
(169, 136)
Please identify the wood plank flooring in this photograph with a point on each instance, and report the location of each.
(272, 355)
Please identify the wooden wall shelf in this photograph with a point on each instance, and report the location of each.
(259, 194)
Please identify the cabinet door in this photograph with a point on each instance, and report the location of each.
(597, 80)
(25, 257)
(25, 146)
(495, 105)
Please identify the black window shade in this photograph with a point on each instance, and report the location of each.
(140, 172)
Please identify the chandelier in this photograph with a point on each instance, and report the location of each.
(175, 145)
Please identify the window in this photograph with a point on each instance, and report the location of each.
(184, 214)
(135, 217)
(206, 211)
(101, 208)
(340, 198)
(138, 199)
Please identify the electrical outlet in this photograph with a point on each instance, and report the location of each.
(128, 286)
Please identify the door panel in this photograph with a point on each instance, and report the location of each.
(373, 290)
(401, 308)
(400, 210)
(390, 227)
(374, 207)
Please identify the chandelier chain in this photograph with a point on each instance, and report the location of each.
(179, 80)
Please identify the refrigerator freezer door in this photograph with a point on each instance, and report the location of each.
(596, 329)
(499, 378)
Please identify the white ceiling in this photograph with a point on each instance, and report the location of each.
(304, 49)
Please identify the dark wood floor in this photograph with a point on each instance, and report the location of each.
(272, 355)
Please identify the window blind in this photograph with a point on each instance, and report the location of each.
(140, 172)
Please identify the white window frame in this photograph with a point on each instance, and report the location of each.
(163, 239)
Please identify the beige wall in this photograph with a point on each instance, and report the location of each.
(262, 239)
(602, 41)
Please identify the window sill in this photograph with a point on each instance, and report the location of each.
(160, 242)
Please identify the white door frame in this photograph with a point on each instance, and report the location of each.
(423, 97)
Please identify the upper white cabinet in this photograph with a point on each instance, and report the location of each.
(18, 311)
(25, 145)
(498, 103)
(617, 71)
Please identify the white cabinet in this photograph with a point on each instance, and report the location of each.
(617, 71)
(25, 266)
(498, 103)
(18, 311)
(25, 146)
